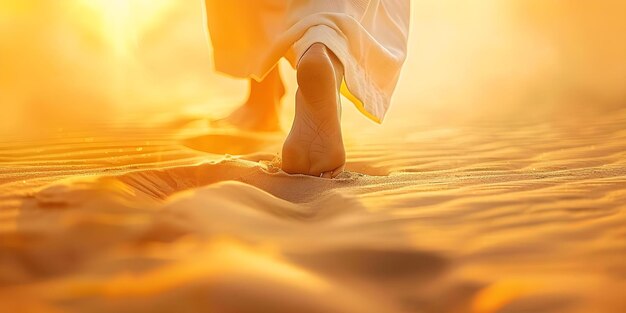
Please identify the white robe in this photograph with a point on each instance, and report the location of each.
(368, 36)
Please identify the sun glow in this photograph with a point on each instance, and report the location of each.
(121, 22)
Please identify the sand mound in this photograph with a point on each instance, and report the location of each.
(463, 219)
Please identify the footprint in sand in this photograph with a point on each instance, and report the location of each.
(234, 143)
(248, 144)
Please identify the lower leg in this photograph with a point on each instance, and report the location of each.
(261, 111)
(266, 95)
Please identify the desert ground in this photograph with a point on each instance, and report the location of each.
(487, 189)
(455, 219)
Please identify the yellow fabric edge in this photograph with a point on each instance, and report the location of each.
(357, 103)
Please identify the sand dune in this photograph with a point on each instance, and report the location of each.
(496, 184)
(459, 219)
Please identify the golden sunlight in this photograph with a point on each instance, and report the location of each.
(121, 21)
(143, 169)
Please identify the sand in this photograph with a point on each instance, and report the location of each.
(428, 218)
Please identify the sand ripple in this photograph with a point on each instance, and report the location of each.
(529, 218)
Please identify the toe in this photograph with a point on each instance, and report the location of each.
(338, 171)
(327, 175)
(334, 173)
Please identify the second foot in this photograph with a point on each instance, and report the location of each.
(247, 118)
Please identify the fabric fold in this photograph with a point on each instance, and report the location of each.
(369, 37)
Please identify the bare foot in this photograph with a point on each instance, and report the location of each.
(261, 112)
(315, 145)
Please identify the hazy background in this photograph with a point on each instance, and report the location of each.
(75, 63)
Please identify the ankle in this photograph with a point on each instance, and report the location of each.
(319, 79)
